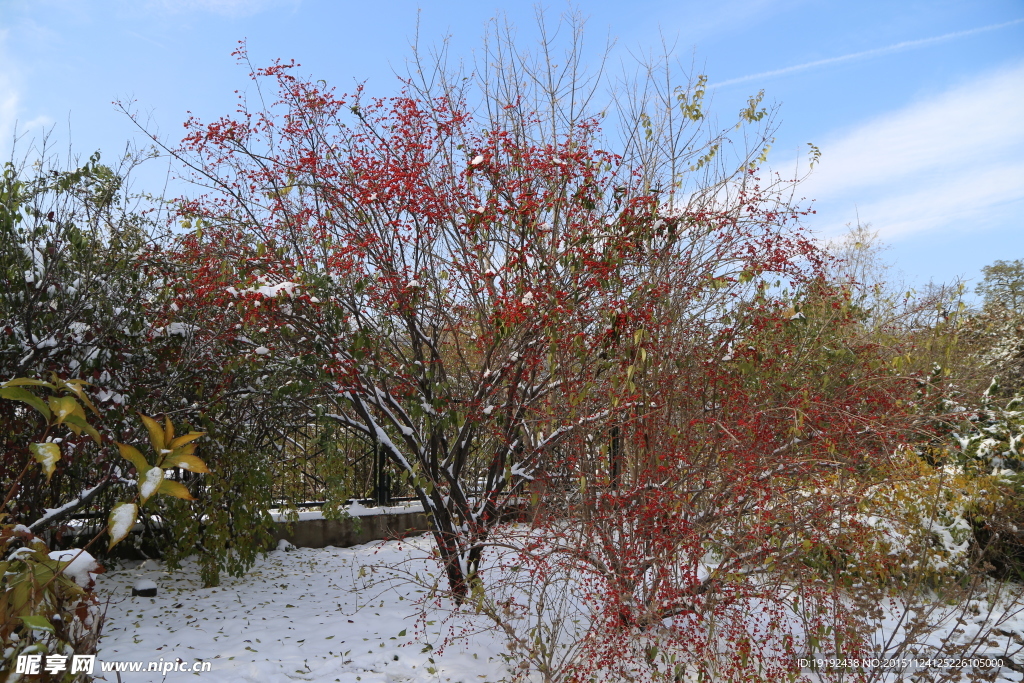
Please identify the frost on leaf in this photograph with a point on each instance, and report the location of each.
(121, 521)
(64, 406)
(149, 484)
(47, 455)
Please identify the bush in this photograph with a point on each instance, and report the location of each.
(89, 295)
(46, 602)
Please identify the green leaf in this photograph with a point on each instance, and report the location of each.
(75, 421)
(38, 623)
(401, 633)
(47, 455)
(26, 396)
(24, 382)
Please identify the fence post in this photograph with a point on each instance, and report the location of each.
(381, 480)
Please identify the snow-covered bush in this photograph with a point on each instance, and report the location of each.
(46, 603)
(990, 438)
(88, 285)
(47, 606)
(988, 450)
(920, 517)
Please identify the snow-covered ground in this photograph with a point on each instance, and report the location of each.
(302, 614)
(334, 614)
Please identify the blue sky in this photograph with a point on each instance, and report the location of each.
(917, 107)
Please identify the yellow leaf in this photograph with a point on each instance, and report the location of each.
(168, 430)
(47, 455)
(76, 386)
(120, 523)
(64, 406)
(174, 488)
(184, 439)
(150, 482)
(187, 462)
(188, 449)
(24, 382)
(156, 433)
(132, 455)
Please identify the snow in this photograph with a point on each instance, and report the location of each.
(304, 615)
(271, 291)
(144, 585)
(262, 351)
(83, 568)
(355, 509)
(338, 614)
(122, 519)
(183, 329)
(333, 614)
(149, 485)
(105, 395)
(52, 512)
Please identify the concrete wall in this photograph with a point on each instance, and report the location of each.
(342, 533)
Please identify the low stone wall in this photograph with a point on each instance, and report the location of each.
(342, 533)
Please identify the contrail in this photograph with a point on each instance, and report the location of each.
(905, 45)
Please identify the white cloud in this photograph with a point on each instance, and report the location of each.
(876, 52)
(966, 202)
(950, 160)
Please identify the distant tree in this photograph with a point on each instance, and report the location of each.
(1003, 285)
